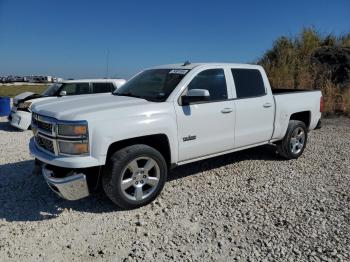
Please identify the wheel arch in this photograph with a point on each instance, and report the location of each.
(303, 116)
(159, 142)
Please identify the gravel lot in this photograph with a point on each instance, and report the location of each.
(249, 205)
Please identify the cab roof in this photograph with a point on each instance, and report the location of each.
(193, 65)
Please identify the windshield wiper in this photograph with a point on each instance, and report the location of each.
(128, 94)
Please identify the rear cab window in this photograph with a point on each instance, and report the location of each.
(102, 88)
(248, 82)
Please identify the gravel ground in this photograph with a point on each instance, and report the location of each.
(244, 206)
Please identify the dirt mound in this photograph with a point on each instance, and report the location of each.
(335, 61)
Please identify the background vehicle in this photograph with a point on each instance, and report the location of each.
(163, 117)
(21, 114)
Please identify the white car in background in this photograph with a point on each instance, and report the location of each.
(21, 113)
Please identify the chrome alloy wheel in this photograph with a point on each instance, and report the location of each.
(140, 178)
(297, 140)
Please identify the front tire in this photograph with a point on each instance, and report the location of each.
(134, 176)
(294, 142)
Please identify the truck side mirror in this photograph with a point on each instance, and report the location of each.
(63, 93)
(195, 95)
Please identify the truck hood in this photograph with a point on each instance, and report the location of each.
(84, 106)
(24, 97)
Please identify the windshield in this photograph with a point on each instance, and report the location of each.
(153, 85)
(52, 89)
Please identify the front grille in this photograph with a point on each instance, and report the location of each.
(45, 134)
(45, 143)
(37, 121)
(44, 126)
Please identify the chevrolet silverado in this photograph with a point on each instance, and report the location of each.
(161, 118)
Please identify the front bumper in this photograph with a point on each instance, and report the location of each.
(20, 119)
(71, 187)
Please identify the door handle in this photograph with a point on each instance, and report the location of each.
(266, 105)
(226, 110)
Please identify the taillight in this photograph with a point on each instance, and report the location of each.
(321, 104)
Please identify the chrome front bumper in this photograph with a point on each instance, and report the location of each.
(72, 187)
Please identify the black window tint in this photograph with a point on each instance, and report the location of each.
(248, 82)
(102, 87)
(212, 80)
(76, 88)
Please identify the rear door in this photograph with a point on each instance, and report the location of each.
(254, 108)
(206, 128)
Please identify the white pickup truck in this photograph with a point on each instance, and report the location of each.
(164, 117)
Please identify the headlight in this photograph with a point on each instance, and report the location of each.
(73, 138)
(73, 148)
(24, 105)
(72, 129)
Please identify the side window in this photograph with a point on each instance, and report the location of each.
(102, 87)
(76, 88)
(248, 82)
(212, 80)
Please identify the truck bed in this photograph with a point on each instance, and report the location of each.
(278, 91)
(289, 101)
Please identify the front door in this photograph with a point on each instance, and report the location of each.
(206, 128)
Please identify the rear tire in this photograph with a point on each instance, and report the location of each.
(134, 176)
(294, 142)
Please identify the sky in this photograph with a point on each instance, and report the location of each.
(74, 39)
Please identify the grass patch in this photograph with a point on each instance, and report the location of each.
(13, 90)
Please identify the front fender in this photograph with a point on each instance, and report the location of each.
(104, 134)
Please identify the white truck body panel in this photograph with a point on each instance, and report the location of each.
(253, 121)
(190, 123)
(289, 103)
